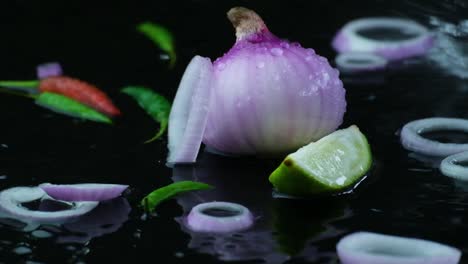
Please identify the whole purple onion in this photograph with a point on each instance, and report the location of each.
(268, 95)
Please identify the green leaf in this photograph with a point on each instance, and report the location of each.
(21, 85)
(159, 195)
(161, 37)
(64, 105)
(154, 104)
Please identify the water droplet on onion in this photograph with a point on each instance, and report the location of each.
(276, 51)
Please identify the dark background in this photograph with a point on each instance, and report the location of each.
(97, 42)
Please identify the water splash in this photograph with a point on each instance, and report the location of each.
(451, 47)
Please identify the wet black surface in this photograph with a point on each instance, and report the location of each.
(404, 194)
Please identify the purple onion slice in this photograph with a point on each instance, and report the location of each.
(359, 62)
(412, 140)
(11, 200)
(189, 112)
(350, 38)
(219, 217)
(84, 191)
(373, 248)
(49, 69)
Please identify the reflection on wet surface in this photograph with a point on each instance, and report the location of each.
(404, 194)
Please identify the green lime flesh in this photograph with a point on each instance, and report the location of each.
(331, 164)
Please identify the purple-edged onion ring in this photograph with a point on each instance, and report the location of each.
(189, 112)
(348, 38)
(235, 217)
(360, 61)
(11, 200)
(412, 140)
(451, 167)
(373, 248)
(84, 191)
(49, 69)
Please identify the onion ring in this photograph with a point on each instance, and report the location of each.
(411, 138)
(450, 168)
(348, 39)
(373, 248)
(199, 220)
(11, 200)
(359, 61)
(189, 112)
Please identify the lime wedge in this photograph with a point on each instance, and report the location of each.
(331, 164)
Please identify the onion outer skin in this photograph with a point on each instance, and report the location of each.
(83, 192)
(199, 222)
(412, 140)
(368, 248)
(189, 112)
(271, 96)
(449, 168)
(347, 39)
(10, 200)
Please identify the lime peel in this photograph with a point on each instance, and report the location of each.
(331, 164)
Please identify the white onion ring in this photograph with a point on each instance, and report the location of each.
(348, 39)
(11, 200)
(370, 62)
(83, 191)
(198, 221)
(373, 248)
(412, 140)
(189, 113)
(450, 168)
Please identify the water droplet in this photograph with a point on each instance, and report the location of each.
(41, 234)
(284, 45)
(164, 57)
(322, 59)
(70, 248)
(296, 44)
(309, 58)
(311, 51)
(179, 254)
(22, 250)
(221, 66)
(276, 51)
(326, 77)
(4, 145)
(260, 65)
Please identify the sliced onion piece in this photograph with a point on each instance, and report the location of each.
(451, 167)
(49, 69)
(349, 39)
(360, 61)
(219, 217)
(11, 200)
(189, 113)
(373, 248)
(83, 191)
(412, 140)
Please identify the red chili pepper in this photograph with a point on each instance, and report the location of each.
(81, 91)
